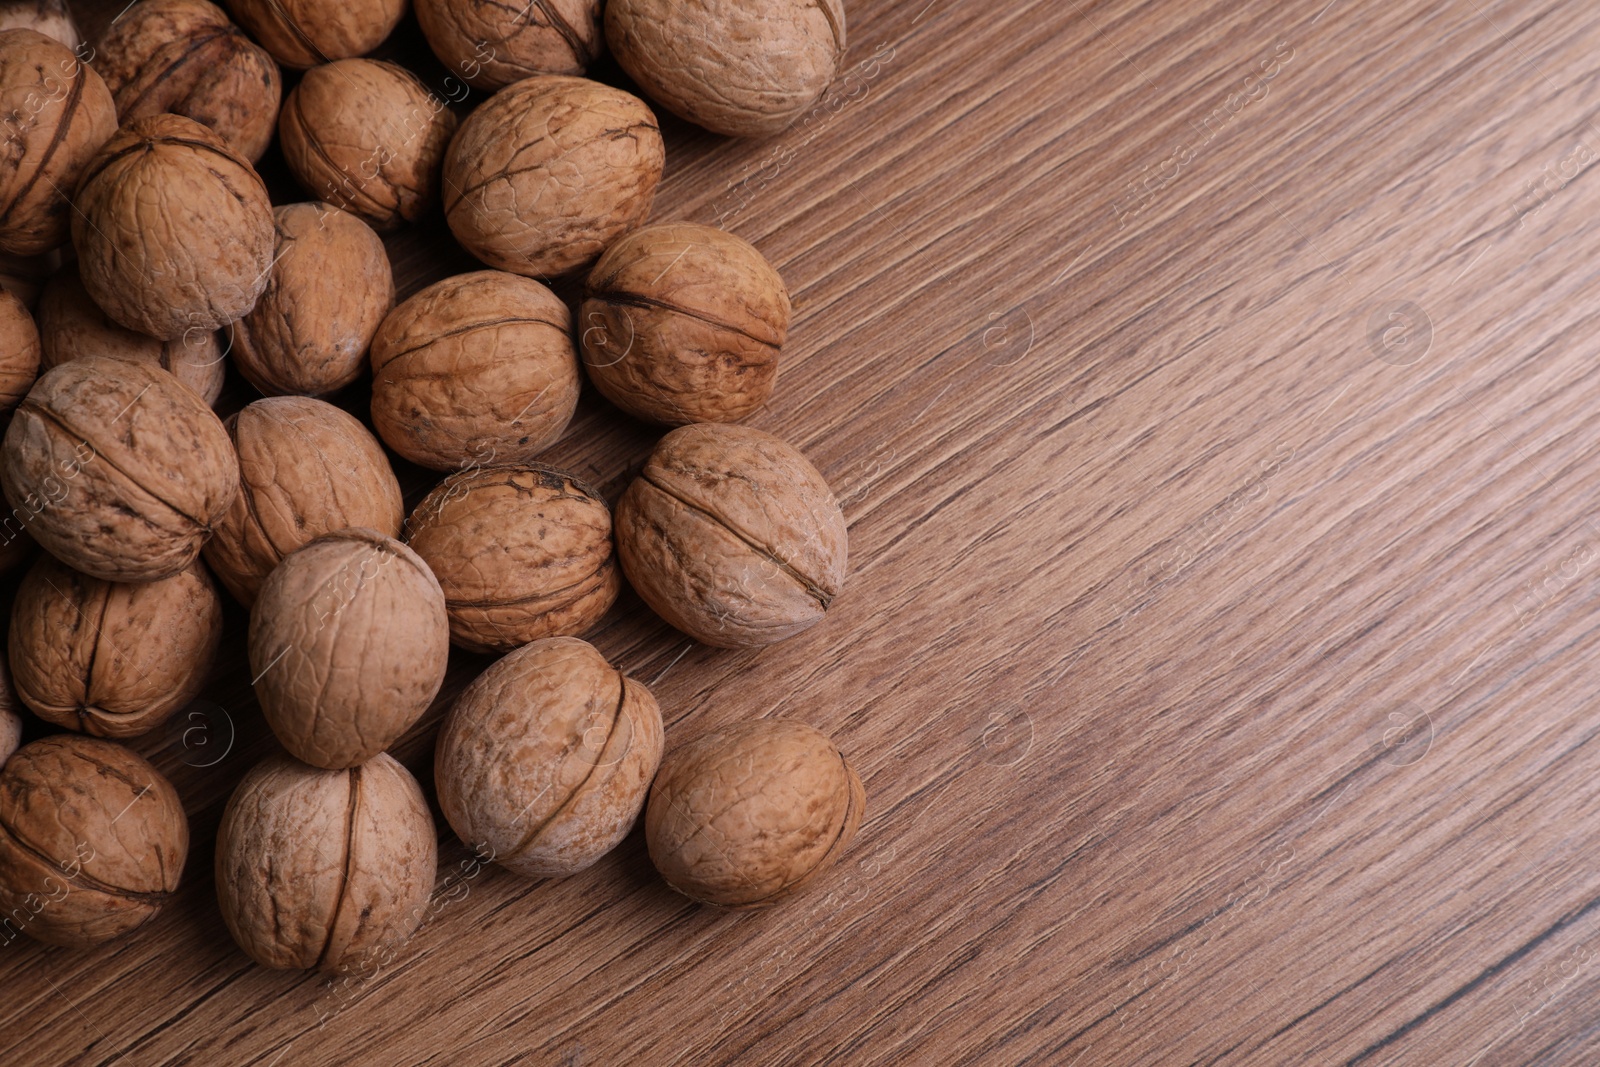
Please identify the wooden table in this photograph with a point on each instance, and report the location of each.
(1210, 389)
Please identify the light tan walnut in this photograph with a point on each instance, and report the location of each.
(490, 44)
(304, 33)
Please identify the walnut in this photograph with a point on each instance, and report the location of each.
(547, 172)
(173, 229)
(330, 287)
(521, 553)
(49, 17)
(304, 33)
(10, 718)
(19, 351)
(306, 469)
(748, 815)
(489, 44)
(325, 869)
(92, 840)
(731, 536)
(546, 757)
(682, 323)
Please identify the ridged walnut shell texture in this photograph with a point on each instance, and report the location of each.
(545, 760)
(489, 44)
(473, 370)
(122, 468)
(173, 229)
(751, 814)
(57, 113)
(348, 645)
(731, 536)
(49, 17)
(306, 469)
(20, 351)
(329, 289)
(549, 171)
(325, 869)
(682, 323)
(747, 68)
(10, 717)
(187, 57)
(522, 553)
(92, 840)
(304, 33)
(113, 659)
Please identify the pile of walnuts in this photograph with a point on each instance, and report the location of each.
(148, 257)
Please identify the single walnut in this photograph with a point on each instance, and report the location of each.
(682, 323)
(489, 44)
(10, 717)
(546, 757)
(305, 469)
(348, 646)
(520, 552)
(750, 814)
(330, 287)
(368, 137)
(325, 869)
(19, 351)
(547, 172)
(92, 840)
(49, 17)
(731, 536)
(113, 659)
(475, 369)
(173, 229)
(118, 469)
(304, 33)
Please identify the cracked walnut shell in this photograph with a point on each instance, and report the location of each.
(305, 33)
(490, 44)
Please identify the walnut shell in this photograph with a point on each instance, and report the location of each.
(306, 468)
(545, 759)
(173, 229)
(476, 369)
(329, 289)
(325, 869)
(747, 68)
(186, 57)
(119, 469)
(682, 323)
(731, 536)
(304, 33)
(58, 114)
(348, 646)
(49, 17)
(748, 815)
(19, 351)
(92, 840)
(10, 717)
(368, 137)
(521, 553)
(549, 171)
(489, 44)
(113, 659)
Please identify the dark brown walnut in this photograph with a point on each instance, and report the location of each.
(92, 841)
(304, 33)
(19, 351)
(747, 68)
(348, 646)
(545, 759)
(682, 323)
(117, 468)
(10, 717)
(49, 17)
(731, 536)
(549, 171)
(749, 815)
(17, 549)
(521, 553)
(113, 659)
(306, 469)
(489, 44)
(173, 229)
(329, 289)
(367, 137)
(325, 869)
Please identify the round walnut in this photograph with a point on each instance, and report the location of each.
(113, 659)
(49, 17)
(173, 229)
(348, 645)
(55, 113)
(304, 33)
(731, 536)
(749, 815)
(325, 869)
(545, 759)
(305, 469)
(475, 369)
(368, 137)
(118, 469)
(547, 172)
(682, 323)
(10, 717)
(19, 351)
(521, 553)
(489, 44)
(186, 57)
(330, 287)
(92, 840)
